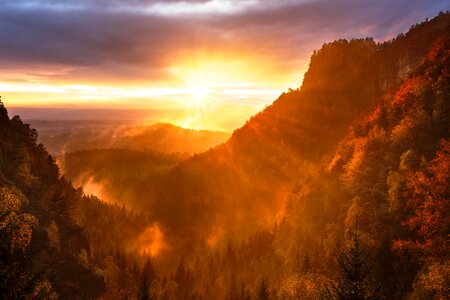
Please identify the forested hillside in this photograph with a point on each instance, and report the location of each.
(40, 242)
(389, 175)
(57, 243)
(127, 177)
(243, 183)
(338, 190)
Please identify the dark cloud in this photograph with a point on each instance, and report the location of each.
(84, 38)
(122, 38)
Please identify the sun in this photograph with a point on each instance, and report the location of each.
(199, 90)
(201, 79)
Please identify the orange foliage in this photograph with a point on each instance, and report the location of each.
(408, 91)
(431, 205)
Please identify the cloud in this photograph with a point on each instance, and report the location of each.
(138, 39)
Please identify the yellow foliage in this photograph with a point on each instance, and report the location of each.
(306, 286)
(43, 287)
(356, 161)
(433, 282)
(16, 228)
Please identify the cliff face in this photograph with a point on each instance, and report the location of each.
(406, 52)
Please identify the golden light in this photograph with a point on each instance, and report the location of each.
(198, 87)
(216, 88)
(151, 241)
(199, 92)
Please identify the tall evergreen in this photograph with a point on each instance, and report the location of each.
(355, 274)
(263, 289)
(148, 275)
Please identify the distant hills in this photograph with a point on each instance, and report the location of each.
(69, 136)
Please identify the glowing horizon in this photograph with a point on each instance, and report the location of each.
(214, 60)
(197, 88)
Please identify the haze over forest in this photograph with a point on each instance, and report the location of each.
(224, 149)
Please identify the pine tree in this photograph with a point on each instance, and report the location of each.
(306, 264)
(263, 289)
(233, 292)
(355, 274)
(143, 290)
(148, 275)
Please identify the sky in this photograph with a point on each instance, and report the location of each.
(216, 61)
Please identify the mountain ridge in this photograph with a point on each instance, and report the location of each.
(284, 131)
(244, 183)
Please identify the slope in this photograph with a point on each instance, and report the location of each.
(390, 174)
(235, 187)
(40, 242)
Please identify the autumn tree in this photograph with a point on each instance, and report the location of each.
(16, 229)
(431, 206)
(430, 221)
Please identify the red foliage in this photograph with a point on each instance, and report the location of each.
(431, 205)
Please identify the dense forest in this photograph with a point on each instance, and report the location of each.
(338, 190)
